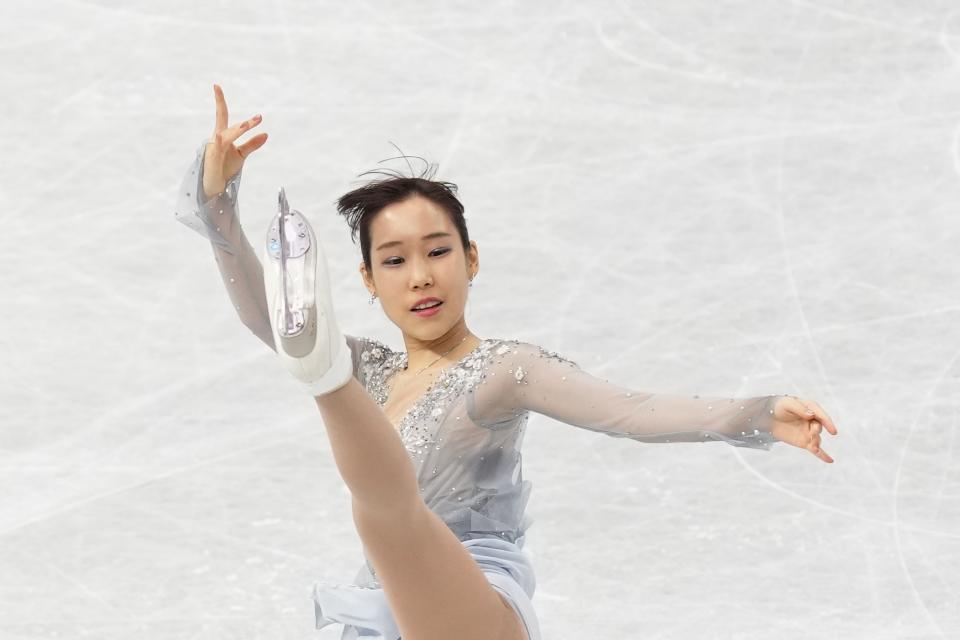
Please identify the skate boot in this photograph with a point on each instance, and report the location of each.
(300, 306)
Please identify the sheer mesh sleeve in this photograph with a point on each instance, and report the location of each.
(217, 219)
(530, 378)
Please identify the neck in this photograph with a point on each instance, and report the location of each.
(459, 340)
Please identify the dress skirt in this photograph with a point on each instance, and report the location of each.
(365, 613)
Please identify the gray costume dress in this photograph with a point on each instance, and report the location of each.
(464, 434)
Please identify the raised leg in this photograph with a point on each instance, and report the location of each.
(435, 588)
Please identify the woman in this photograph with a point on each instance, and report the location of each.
(428, 440)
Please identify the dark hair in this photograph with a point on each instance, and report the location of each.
(361, 205)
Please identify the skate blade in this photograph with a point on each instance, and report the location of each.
(296, 316)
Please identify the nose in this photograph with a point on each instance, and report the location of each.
(420, 275)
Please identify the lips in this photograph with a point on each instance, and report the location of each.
(433, 306)
(424, 301)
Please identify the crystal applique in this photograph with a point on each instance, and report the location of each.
(417, 427)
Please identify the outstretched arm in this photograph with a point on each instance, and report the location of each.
(529, 377)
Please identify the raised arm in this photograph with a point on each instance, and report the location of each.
(217, 219)
(528, 377)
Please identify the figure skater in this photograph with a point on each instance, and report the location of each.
(428, 439)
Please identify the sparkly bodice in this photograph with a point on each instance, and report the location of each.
(468, 472)
(464, 434)
(378, 363)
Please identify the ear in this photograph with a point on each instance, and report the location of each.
(473, 259)
(367, 279)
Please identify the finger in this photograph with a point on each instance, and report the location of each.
(812, 410)
(820, 453)
(221, 123)
(816, 449)
(823, 417)
(234, 132)
(252, 145)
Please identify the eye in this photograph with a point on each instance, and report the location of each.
(442, 250)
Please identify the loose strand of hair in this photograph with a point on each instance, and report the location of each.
(404, 156)
(393, 173)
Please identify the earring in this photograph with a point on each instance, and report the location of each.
(372, 298)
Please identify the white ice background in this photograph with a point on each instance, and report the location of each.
(704, 197)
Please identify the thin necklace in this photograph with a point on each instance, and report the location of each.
(441, 355)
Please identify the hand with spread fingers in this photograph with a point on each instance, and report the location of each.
(799, 422)
(222, 158)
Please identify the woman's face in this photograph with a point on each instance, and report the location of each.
(406, 266)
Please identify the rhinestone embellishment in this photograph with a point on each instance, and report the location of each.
(418, 427)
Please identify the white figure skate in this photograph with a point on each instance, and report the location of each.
(301, 310)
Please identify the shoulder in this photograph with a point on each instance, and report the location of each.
(372, 349)
(528, 352)
(369, 356)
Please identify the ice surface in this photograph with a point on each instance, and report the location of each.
(694, 197)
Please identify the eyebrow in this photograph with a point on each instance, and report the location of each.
(435, 234)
